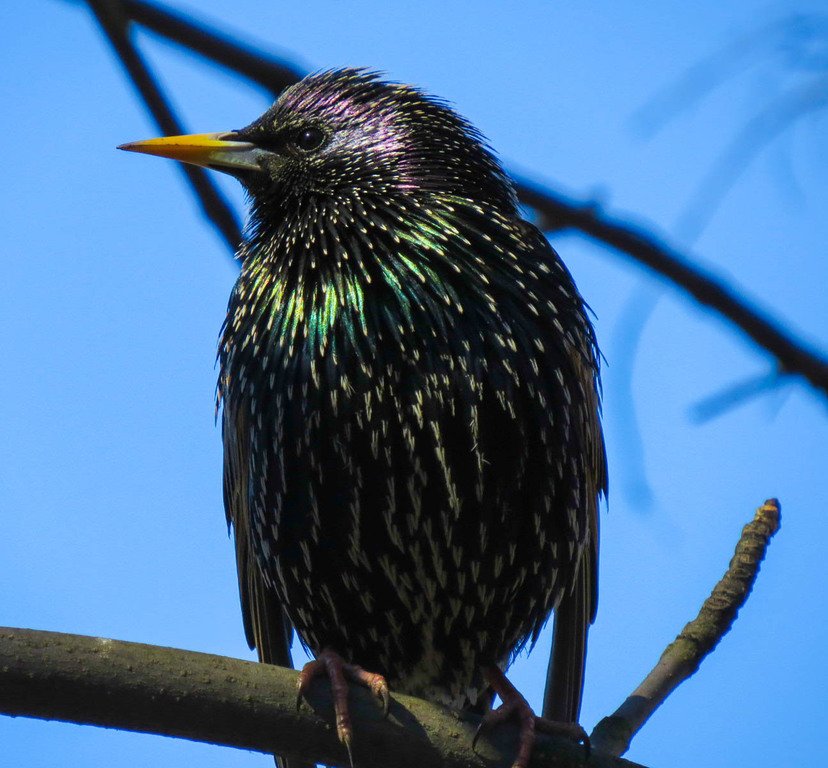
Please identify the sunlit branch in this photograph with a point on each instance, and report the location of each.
(169, 692)
(683, 656)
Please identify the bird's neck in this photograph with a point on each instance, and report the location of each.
(362, 279)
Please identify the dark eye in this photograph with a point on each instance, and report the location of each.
(310, 139)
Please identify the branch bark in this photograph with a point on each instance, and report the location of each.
(682, 657)
(90, 680)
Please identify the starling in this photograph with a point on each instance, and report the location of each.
(410, 397)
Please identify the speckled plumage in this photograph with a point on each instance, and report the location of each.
(410, 393)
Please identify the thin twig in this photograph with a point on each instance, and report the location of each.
(114, 23)
(683, 656)
(734, 58)
(258, 66)
(733, 395)
(242, 704)
(765, 126)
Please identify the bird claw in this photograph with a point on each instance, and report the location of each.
(373, 682)
(515, 706)
(479, 730)
(346, 740)
(311, 670)
(329, 663)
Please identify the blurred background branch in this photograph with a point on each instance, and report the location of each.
(796, 48)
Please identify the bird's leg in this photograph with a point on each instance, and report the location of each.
(339, 672)
(515, 706)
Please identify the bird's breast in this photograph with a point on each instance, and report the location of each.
(406, 504)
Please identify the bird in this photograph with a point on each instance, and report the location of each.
(410, 404)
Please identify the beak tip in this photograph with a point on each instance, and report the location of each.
(210, 150)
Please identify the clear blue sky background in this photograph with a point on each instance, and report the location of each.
(113, 290)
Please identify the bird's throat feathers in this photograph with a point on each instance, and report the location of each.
(323, 272)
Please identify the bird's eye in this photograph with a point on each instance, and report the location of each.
(310, 139)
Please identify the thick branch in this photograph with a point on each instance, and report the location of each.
(683, 656)
(237, 703)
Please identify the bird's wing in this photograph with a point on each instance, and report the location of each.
(266, 626)
(576, 611)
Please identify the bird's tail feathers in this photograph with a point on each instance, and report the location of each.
(565, 677)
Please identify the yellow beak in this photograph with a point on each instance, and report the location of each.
(211, 150)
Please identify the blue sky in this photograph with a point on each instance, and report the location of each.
(114, 289)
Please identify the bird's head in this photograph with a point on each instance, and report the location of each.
(347, 134)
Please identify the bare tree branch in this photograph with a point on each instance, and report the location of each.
(736, 57)
(683, 656)
(242, 704)
(732, 396)
(792, 356)
(257, 66)
(115, 25)
(765, 126)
